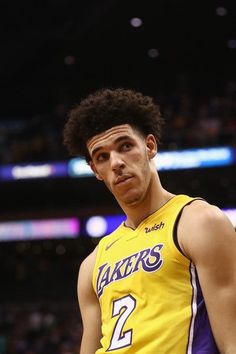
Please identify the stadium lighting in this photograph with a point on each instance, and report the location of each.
(136, 22)
(153, 53)
(221, 11)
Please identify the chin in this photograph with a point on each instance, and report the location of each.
(133, 199)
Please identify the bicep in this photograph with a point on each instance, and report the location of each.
(89, 308)
(212, 248)
(211, 245)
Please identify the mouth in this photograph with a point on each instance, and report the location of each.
(122, 179)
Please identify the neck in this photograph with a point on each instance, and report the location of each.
(154, 199)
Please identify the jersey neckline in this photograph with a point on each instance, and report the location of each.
(154, 214)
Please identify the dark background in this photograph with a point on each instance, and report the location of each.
(191, 38)
(53, 53)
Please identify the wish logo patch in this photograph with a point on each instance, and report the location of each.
(155, 227)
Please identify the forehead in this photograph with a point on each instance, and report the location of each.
(110, 136)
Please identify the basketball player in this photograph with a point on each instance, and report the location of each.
(164, 282)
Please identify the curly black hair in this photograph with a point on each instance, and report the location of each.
(105, 109)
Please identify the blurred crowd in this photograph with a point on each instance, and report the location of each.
(40, 329)
(190, 121)
(199, 122)
(39, 312)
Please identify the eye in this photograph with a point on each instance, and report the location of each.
(126, 147)
(101, 157)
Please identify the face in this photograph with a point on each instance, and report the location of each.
(121, 158)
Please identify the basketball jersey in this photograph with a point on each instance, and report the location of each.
(150, 298)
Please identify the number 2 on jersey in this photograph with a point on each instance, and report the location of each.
(123, 308)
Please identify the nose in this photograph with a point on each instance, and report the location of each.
(116, 161)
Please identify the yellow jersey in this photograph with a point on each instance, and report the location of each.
(150, 297)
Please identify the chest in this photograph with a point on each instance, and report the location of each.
(147, 257)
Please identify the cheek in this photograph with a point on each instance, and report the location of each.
(142, 165)
(144, 174)
(101, 172)
(105, 176)
(107, 184)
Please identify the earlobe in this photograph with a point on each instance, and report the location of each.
(98, 177)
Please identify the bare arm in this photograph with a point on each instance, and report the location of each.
(89, 307)
(208, 238)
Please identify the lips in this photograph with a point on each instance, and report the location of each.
(122, 179)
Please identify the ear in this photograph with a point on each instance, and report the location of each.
(93, 168)
(151, 146)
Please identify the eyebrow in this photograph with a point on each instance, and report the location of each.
(118, 140)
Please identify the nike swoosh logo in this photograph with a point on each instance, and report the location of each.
(129, 239)
(111, 244)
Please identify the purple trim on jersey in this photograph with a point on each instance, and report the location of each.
(175, 234)
(201, 340)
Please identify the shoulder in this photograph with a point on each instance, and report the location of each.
(204, 227)
(201, 214)
(86, 272)
(88, 263)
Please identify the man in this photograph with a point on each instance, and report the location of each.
(164, 282)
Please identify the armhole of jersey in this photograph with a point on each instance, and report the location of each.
(98, 255)
(175, 228)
